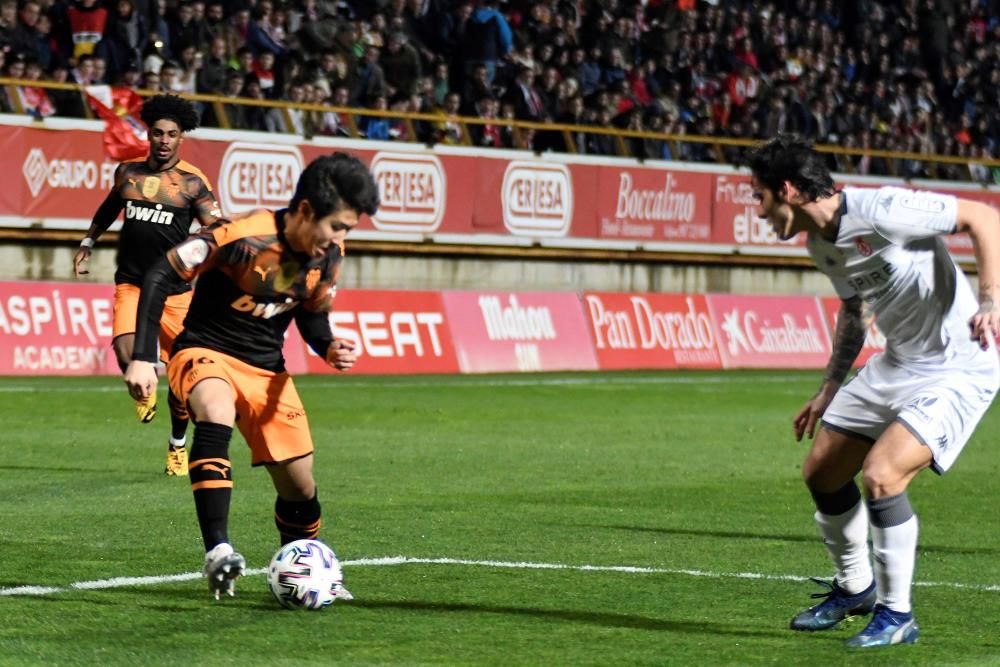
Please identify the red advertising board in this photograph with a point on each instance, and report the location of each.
(734, 217)
(51, 328)
(874, 340)
(770, 331)
(654, 204)
(519, 331)
(651, 330)
(449, 194)
(393, 332)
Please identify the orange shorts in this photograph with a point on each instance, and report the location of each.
(269, 411)
(171, 323)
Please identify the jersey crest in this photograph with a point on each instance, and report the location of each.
(150, 186)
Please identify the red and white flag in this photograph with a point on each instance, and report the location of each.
(124, 133)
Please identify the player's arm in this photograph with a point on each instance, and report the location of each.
(848, 339)
(315, 329)
(205, 207)
(982, 222)
(179, 266)
(105, 216)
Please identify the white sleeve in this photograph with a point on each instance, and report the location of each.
(902, 215)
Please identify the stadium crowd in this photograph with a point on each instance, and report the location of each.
(919, 76)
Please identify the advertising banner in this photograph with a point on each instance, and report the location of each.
(451, 194)
(392, 331)
(651, 330)
(735, 218)
(770, 331)
(654, 204)
(52, 328)
(519, 331)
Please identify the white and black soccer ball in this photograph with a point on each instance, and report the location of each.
(305, 574)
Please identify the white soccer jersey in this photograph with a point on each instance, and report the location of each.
(888, 253)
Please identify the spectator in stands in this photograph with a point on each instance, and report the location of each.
(48, 48)
(263, 67)
(524, 97)
(83, 73)
(211, 77)
(289, 120)
(8, 25)
(400, 64)
(576, 113)
(449, 130)
(261, 34)
(151, 81)
(124, 37)
(100, 75)
(87, 22)
(487, 38)
(488, 134)
(336, 123)
(25, 36)
(68, 103)
(371, 81)
(602, 144)
(376, 127)
(254, 117)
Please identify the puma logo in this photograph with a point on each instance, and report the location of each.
(263, 271)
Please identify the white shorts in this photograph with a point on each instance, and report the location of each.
(940, 406)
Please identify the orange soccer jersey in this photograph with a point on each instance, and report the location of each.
(250, 286)
(160, 207)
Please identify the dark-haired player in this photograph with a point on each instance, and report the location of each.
(255, 274)
(913, 407)
(162, 196)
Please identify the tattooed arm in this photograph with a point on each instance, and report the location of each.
(982, 222)
(847, 341)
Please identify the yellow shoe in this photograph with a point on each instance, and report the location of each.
(177, 462)
(146, 410)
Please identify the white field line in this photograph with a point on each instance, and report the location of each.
(460, 381)
(126, 582)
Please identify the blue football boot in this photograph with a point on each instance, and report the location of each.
(837, 606)
(886, 628)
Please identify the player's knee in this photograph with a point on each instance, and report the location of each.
(880, 479)
(814, 473)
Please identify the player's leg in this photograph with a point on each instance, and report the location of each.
(171, 324)
(893, 462)
(842, 520)
(297, 512)
(123, 341)
(283, 444)
(938, 413)
(202, 379)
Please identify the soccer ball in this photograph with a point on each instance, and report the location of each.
(305, 574)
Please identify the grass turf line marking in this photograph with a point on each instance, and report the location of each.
(459, 382)
(123, 582)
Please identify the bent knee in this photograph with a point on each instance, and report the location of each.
(881, 479)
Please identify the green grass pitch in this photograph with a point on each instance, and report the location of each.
(693, 479)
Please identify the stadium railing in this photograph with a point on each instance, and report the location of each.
(717, 146)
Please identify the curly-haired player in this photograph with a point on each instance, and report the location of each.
(162, 197)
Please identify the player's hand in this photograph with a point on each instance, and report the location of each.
(140, 378)
(341, 355)
(80, 260)
(807, 418)
(985, 324)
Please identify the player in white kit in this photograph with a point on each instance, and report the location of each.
(913, 406)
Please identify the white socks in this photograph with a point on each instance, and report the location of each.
(895, 556)
(846, 538)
